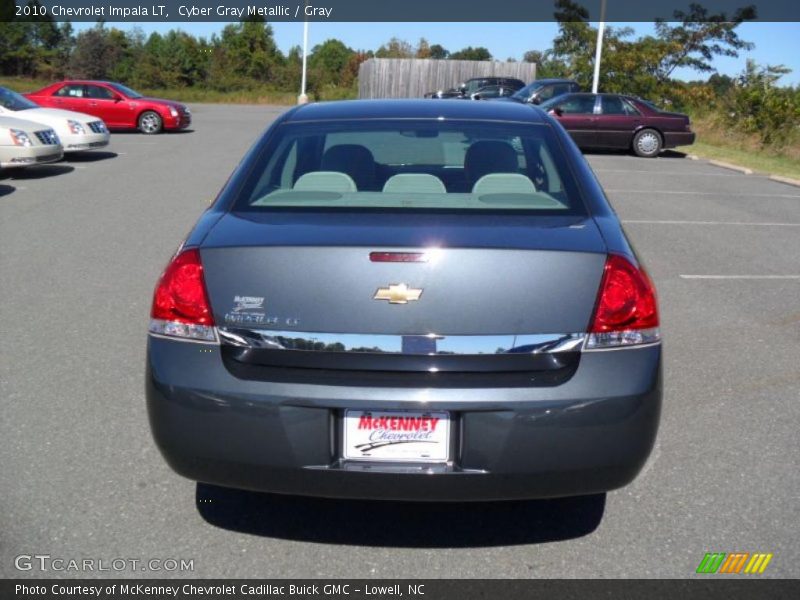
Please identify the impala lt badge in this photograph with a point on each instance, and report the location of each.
(397, 293)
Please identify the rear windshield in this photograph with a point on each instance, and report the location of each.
(650, 105)
(411, 166)
(525, 92)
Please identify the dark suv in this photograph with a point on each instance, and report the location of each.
(545, 89)
(470, 86)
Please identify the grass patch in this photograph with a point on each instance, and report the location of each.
(718, 142)
(762, 162)
(23, 85)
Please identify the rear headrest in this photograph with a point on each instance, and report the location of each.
(489, 156)
(503, 183)
(325, 181)
(352, 159)
(414, 183)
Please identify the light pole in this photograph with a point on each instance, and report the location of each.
(599, 48)
(303, 98)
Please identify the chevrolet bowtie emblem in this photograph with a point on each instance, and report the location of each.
(397, 293)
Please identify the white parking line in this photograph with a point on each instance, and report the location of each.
(679, 173)
(648, 222)
(740, 276)
(676, 193)
(131, 145)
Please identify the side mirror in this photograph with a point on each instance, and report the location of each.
(557, 111)
(117, 98)
(535, 100)
(476, 96)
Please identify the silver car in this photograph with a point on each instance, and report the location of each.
(407, 300)
(24, 143)
(78, 132)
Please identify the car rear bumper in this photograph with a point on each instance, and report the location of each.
(678, 138)
(588, 435)
(26, 156)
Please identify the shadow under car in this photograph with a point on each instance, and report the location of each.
(37, 172)
(399, 524)
(90, 156)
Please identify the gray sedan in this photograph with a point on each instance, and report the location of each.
(407, 300)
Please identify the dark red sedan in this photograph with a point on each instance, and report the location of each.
(617, 121)
(119, 106)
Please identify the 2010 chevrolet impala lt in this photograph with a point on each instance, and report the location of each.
(407, 300)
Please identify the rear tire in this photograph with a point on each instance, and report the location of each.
(647, 143)
(150, 122)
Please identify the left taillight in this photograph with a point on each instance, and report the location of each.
(180, 303)
(626, 312)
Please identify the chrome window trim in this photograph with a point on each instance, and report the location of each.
(304, 341)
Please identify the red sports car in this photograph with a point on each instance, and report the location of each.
(119, 106)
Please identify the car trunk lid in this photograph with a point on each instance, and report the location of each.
(485, 275)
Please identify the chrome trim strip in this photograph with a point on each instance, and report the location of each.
(625, 347)
(428, 344)
(174, 338)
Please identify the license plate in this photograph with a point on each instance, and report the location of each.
(385, 435)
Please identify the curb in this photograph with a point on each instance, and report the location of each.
(746, 171)
(724, 165)
(786, 180)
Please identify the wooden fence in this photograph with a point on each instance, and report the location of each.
(414, 77)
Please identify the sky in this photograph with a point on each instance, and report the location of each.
(775, 43)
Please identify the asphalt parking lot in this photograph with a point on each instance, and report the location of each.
(82, 243)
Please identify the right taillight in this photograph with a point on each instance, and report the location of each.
(626, 312)
(180, 302)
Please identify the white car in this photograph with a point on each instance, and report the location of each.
(24, 143)
(78, 131)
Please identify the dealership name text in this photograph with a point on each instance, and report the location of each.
(190, 589)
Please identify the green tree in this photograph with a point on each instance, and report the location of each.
(32, 47)
(423, 49)
(93, 56)
(721, 84)
(17, 54)
(546, 65)
(470, 53)
(328, 62)
(63, 51)
(288, 77)
(244, 53)
(643, 66)
(396, 48)
(438, 52)
(699, 38)
(757, 105)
